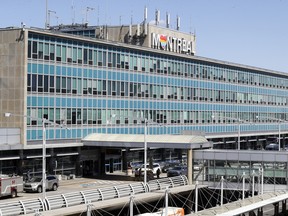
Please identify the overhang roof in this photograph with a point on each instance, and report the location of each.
(137, 141)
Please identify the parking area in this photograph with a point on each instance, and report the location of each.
(67, 185)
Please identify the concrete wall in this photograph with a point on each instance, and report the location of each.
(13, 79)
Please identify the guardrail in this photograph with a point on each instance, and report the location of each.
(86, 196)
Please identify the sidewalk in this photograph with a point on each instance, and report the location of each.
(116, 176)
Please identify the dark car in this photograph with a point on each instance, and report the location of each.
(168, 166)
(272, 147)
(139, 174)
(177, 170)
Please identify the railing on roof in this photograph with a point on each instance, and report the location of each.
(86, 196)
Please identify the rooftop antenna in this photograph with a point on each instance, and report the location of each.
(190, 25)
(49, 15)
(157, 17)
(145, 20)
(73, 11)
(98, 15)
(178, 23)
(57, 20)
(130, 27)
(46, 21)
(131, 17)
(167, 20)
(87, 10)
(145, 14)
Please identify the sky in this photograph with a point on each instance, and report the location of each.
(249, 32)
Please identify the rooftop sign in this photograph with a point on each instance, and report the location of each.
(172, 44)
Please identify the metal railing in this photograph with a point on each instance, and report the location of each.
(88, 196)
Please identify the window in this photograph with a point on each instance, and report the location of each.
(58, 53)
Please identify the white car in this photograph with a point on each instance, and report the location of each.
(156, 167)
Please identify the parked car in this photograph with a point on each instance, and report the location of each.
(35, 184)
(272, 147)
(177, 170)
(156, 166)
(168, 166)
(139, 174)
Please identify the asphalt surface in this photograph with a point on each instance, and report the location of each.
(81, 184)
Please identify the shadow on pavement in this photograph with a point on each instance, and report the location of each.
(117, 176)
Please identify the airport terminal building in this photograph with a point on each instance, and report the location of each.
(106, 79)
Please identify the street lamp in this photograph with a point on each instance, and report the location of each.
(238, 123)
(279, 129)
(146, 122)
(44, 122)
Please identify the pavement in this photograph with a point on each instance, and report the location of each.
(115, 176)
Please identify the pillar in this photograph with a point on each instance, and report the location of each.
(276, 208)
(189, 203)
(78, 164)
(111, 165)
(179, 155)
(284, 206)
(163, 154)
(19, 164)
(124, 160)
(101, 163)
(247, 144)
(51, 161)
(190, 165)
(260, 211)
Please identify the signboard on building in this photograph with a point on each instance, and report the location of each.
(172, 44)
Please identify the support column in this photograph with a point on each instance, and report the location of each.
(78, 164)
(101, 163)
(189, 203)
(247, 143)
(20, 163)
(111, 165)
(179, 155)
(258, 144)
(190, 165)
(276, 208)
(260, 212)
(284, 206)
(124, 160)
(51, 161)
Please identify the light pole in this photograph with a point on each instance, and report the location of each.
(44, 122)
(239, 134)
(279, 130)
(146, 122)
(145, 151)
(238, 130)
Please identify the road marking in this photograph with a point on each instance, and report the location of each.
(103, 182)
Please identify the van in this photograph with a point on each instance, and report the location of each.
(272, 147)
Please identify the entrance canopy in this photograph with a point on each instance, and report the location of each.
(155, 141)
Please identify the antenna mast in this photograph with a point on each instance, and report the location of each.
(87, 10)
(73, 11)
(46, 21)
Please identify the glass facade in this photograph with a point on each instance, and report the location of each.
(83, 82)
(231, 165)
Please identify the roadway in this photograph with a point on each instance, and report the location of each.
(80, 184)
